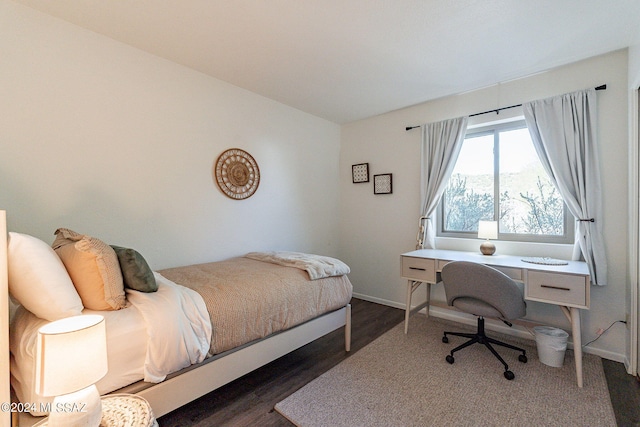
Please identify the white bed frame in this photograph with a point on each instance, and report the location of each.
(178, 390)
(181, 389)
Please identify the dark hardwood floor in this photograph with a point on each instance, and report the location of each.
(249, 401)
(624, 390)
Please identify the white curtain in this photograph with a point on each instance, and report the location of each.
(441, 143)
(563, 130)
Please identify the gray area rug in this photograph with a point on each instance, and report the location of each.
(404, 380)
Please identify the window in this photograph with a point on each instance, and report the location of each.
(498, 176)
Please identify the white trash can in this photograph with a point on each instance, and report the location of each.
(551, 344)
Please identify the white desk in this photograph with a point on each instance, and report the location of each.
(566, 286)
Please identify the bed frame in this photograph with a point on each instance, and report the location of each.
(5, 390)
(190, 383)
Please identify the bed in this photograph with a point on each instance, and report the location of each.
(227, 318)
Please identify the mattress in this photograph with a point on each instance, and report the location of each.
(249, 299)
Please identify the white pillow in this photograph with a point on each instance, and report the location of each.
(38, 279)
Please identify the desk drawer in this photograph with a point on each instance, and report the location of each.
(514, 273)
(557, 288)
(442, 263)
(421, 269)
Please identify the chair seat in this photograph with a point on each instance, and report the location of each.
(476, 307)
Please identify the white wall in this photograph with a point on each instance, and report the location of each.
(634, 66)
(110, 141)
(380, 228)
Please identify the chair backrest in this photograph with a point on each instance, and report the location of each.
(463, 279)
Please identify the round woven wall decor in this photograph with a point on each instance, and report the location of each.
(237, 174)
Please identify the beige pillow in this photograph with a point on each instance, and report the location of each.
(94, 269)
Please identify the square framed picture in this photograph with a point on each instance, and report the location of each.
(360, 173)
(382, 184)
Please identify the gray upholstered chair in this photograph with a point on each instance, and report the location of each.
(485, 292)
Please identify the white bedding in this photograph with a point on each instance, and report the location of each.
(173, 318)
(178, 326)
(317, 266)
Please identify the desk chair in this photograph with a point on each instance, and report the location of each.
(485, 292)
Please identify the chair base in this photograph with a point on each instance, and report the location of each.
(481, 338)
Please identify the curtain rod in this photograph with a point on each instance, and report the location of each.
(497, 110)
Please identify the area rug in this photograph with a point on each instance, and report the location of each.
(404, 380)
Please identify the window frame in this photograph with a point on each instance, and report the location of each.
(495, 128)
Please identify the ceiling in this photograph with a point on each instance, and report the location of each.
(345, 60)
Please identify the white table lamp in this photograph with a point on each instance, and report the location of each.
(71, 357)
(487, 230)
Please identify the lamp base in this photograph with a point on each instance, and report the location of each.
(82, 408)
(487, 248)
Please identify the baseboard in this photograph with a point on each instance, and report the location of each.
(379, 300)
(497, 326)
(609, 355)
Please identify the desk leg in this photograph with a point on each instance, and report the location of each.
(407, 311)
(576, 332)
(428, 301)
(412, 285)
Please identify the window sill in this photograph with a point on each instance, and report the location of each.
(552, 250)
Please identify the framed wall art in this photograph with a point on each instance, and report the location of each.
(360, 173)
(382, 184)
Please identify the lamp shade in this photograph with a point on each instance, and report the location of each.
(71, 354)
(488, 229)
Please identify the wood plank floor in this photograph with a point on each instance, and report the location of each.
(249, 401)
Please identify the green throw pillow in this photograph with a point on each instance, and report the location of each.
(135, 271)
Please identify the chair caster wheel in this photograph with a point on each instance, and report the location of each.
(450, 359)
(509, 375)
(445, 340)
(523, 358)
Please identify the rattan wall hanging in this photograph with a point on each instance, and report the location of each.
(237, 174)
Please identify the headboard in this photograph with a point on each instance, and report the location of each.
(5, 393)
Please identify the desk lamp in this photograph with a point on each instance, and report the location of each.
(487, 230)
(71, 357)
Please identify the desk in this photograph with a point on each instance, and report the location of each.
(566, 286)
